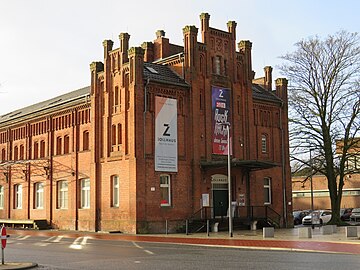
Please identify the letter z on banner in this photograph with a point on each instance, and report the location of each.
(166, 156)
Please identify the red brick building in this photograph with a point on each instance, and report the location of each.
(147, 141)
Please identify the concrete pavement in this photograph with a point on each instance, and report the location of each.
(284, 239)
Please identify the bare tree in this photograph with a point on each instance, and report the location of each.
(324, 112)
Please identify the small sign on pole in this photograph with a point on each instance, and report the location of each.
(3, 243)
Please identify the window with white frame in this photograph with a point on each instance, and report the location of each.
(62, 194)
(39, 195)
(165, 199)
(267, 190)
(264, 140)
(1, 197)
(85, 193)
(115, 193)
(18, 196)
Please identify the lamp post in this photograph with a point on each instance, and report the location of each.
(229, 180)
(311, 191)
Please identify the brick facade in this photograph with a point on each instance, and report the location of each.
(105, 134)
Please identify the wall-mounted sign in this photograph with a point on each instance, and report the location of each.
(220, 120)
(166, 156)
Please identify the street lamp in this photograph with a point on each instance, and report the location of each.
(311, 191)
(229, 180)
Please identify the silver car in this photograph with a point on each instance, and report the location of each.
(355, 215)
(317, 217)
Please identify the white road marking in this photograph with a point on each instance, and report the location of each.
(140, 247)
(24, 237)
(77, 245)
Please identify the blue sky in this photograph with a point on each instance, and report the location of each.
(46, 46)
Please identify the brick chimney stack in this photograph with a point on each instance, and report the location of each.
(268, 77)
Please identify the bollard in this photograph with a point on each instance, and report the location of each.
(166, 226)
(208, 227)
(268, 232)
(351, 231)
(327, 229)
(187, 227)
(305, 232)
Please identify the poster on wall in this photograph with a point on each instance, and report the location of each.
(220, 120)
(166, 135)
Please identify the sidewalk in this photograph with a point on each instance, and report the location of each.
(284, 239)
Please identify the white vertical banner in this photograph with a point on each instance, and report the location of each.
(166, 156)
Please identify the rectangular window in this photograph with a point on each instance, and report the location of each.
(85, 193)
(115, 191)
(267, 190)
(62, 194)
(39, 195)
(18, 196)
(1, 197)
(165, 199)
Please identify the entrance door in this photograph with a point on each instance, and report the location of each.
(220, 200)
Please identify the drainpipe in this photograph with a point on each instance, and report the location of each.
(50, 174)
(283, 167)
(145, 111)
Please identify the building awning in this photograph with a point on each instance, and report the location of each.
(248, 164)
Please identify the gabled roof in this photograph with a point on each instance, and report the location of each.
(45, 106)
(261, 93)
(154, 72)
(162, 74)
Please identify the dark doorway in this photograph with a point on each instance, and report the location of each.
(220, 203)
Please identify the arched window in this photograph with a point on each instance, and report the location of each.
(86, 145)
(42, 148)
(36, 150)
(119, 134)
(22, 152)
(264, 143)
(113, 135)
(58, 145)
(66, 144)
(16, 153)
(3, 154)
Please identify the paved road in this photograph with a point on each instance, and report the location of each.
(86, 252)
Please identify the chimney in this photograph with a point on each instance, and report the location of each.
(148, 48)
(161, 45)
(268, 77)
(281, 88)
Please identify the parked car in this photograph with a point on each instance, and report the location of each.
(299, 215)
(355, 214)
(345, 214)
(317, 217)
